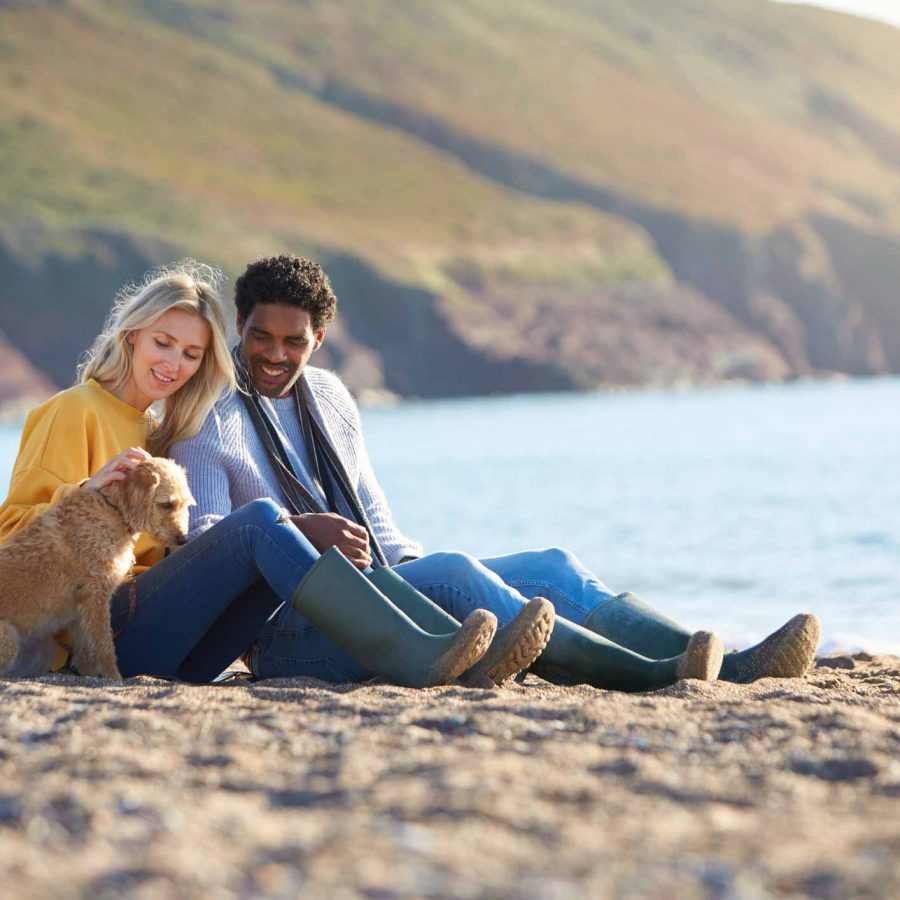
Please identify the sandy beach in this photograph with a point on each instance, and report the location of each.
(289, 787)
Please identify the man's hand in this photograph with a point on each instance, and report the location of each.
(324, 530)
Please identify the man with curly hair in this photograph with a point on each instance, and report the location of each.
(294, 434)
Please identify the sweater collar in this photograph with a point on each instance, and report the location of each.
(115, 404)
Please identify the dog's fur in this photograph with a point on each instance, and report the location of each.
(60, 571)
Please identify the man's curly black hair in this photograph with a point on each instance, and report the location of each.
(290, 281)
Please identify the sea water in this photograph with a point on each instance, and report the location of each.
(728, 508)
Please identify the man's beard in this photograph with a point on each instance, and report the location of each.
(267, 383)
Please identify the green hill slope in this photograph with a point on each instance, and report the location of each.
(509, 196)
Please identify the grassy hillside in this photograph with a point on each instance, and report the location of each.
(674, 171)
(728, 111)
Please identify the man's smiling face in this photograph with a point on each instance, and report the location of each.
(278, 340)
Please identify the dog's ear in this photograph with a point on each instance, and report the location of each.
(143, 480)
(137, 492)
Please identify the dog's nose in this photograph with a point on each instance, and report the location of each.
(181, 539)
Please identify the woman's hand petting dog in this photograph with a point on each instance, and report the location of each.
(117, 468)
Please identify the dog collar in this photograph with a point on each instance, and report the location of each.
(108, 502)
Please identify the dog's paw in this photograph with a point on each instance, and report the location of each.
(90, 668)
(83, 665)
(110, 672)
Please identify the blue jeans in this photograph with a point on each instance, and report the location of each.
(458, 583)
(198, 609)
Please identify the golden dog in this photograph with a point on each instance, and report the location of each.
(60, 571)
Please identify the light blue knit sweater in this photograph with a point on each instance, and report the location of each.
(228, 466)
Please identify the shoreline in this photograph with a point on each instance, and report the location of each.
(781, 787)
(15, 410)
(383, 397)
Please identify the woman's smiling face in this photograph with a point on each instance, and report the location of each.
(165, 355)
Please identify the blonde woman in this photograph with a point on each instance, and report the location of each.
(189, 614)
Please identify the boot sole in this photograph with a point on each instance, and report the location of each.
(788, 653)
(703, 658)
(469, 645)
(516, 646)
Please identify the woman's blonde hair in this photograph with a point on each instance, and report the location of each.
(192, 287)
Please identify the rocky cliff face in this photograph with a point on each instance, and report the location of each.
(791, 304)
(784, 286)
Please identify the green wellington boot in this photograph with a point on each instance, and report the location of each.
(575, 655)
(338, 599)
(630, 622)
(786, 653)
(514, 648)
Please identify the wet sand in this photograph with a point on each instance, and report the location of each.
(289, 787)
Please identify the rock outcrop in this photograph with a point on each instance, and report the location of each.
(21, 384)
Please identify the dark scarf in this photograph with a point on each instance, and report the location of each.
(328, 472)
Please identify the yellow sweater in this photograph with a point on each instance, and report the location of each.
(67, 440)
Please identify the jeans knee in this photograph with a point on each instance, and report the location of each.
(556, 558)
(455, 566)
(262, 511)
